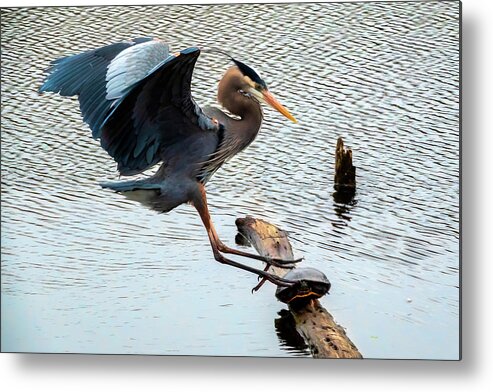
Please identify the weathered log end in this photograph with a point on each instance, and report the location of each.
(316, 326)
(324, 337)
(345, 172)
(272, 240)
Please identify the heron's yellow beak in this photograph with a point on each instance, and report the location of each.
(273, 102)
(265, 96)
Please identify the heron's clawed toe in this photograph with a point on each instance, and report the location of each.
(259, 285)
(275, 280)
(282, 263)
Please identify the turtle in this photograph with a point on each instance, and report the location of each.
(311, 283)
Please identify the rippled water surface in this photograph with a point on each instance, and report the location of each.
(85, 270)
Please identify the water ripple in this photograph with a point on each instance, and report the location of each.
(384, 76)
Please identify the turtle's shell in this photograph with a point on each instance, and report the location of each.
(311, 283)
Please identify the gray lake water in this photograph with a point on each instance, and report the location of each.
(85, 270)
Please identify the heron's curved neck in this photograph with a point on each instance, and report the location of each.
(248, 109)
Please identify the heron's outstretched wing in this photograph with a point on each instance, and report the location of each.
(135, 97)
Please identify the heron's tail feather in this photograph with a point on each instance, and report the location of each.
(142, 191)
(129, 186)
(160, 196)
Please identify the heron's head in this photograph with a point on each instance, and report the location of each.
(257, 88)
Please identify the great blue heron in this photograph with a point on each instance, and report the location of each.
(135, 96)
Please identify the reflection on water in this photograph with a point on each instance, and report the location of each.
(85, 270)
(343, 204)
(288, 335)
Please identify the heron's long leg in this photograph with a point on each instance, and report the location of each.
(281, 263)
(200, 203)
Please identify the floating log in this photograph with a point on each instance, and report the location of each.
(345, 172)
(324, 337)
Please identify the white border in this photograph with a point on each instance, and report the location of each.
(473, 373)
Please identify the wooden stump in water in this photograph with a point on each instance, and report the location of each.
(345, 172)
(324, 337)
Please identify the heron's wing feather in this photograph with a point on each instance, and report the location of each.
(132, 65)
(155, 116)
(84, 75)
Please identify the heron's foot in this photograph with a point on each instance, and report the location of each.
(261, 280)
(259, 285)
(277, 281)
(280, 263)
(275, 262)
